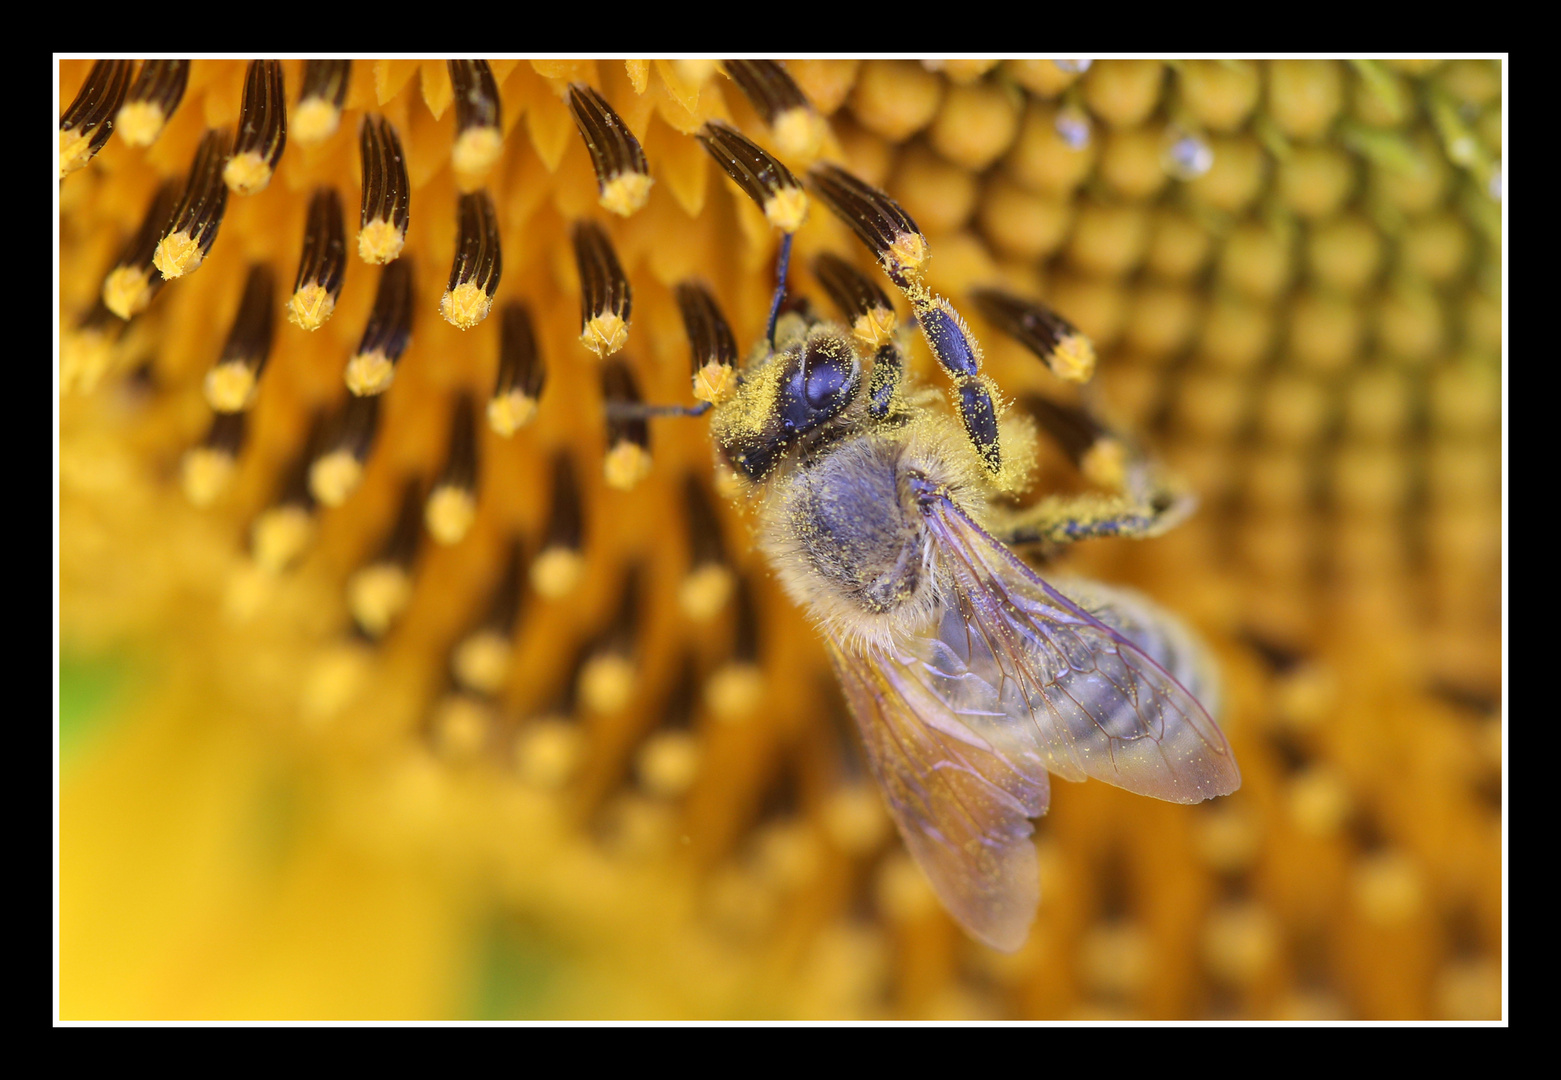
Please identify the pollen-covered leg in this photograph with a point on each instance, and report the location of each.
(1141, 499)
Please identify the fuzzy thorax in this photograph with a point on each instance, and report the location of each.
(846, 534)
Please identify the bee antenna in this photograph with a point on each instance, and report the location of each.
(780, 286)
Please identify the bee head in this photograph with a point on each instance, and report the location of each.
(788, 394)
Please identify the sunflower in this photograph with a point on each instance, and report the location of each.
(398, 683)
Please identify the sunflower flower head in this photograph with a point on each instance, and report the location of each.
(452, 686)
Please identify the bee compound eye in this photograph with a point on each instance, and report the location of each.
(826, 371)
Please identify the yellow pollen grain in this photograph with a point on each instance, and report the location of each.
(380, 241)
(280, 535)
(335, 476)
(734, 691)
(787, 209)
(178, 254)
(75, 151)
(876, 328)
(511, 411)
(798, 133)
(669, 763)
(482, 661)
(139, 123)
(626, 465)
(476, 151)
(205, 473)
(449, 514)
(705, 591)
(1073, 359)
(230, 387)
(369, 374)
(247, 173)
(626, 193)
(127, 290)
(605, 334)
(378, 593)
(314, 120)
(310, 306)
(465, 306)
(556, 571)
(715, 383)
(547, 752)
(607, 683)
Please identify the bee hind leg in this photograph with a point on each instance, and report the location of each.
(1141, 498)
(1064, 519)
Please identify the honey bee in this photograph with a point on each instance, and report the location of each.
(971, 677)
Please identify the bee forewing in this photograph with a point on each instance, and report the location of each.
(1099, 704)
(961, 786)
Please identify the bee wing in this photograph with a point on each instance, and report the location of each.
(961, 786)
(1100, 705)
